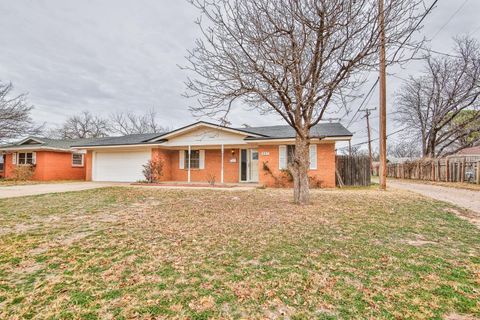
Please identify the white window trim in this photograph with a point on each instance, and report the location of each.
(283, 157)
(83, 160)
(17, 159)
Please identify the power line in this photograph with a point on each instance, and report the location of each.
(450, 19)
(363, 102)
(416, 27)
(388, 135)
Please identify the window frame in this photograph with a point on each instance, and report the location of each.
(196, 160)
(25, 159)
(83, 160)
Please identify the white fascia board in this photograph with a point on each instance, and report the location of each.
(30, 138)
(120, 146)
(290, 140)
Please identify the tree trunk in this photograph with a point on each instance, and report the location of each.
(299, 169)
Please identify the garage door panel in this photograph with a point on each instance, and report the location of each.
(120, 166)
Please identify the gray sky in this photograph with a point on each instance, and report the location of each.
(119, 55)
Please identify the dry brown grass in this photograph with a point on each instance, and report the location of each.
(196, 254)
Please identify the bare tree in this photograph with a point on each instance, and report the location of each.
(296, 58)
(404, 149)
(15, 115)
(432, 104)
(131, 123)
(83, 125)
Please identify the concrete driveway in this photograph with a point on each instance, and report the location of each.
(463, 198)
(36, 189)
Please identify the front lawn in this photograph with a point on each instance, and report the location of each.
(123, 253)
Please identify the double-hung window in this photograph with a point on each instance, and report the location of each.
(26, 158)
(194, 159)
(77, 159)
(287, 155)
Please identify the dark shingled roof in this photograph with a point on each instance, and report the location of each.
(270, 132)
(49, 143)
(143, 138)
(319, 130)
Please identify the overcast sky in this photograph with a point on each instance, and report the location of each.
(122, 55)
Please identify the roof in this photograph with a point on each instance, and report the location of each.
(469, 151)
(286, 132)
(253, 133)
(132, 139)
(47, 143)
(321, 130)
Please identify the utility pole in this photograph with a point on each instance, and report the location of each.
(367, 116)
(383, 99)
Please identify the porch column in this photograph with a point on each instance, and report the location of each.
(189, 156)
(221, 172)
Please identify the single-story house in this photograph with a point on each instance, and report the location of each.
(204, 151)
(52, 159)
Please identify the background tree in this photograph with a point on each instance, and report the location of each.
(404, 149)
(471, 130)
(290, 57)
(81, 126)
(442, 105)
(131, 123)
(15, 115)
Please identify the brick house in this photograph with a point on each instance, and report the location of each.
(51, 159)
(204, 152)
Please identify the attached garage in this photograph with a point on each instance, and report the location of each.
(122, 166)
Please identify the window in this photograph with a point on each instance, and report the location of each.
(1, 162)
(25, 158)
(194, 159)
(77, 160)
(290, 153)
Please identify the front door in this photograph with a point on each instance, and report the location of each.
(249, 165)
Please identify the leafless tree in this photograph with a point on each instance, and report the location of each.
(296, 58)
(404, 149)
(432, 104)
(83, 125)
(15, 115)
(131, 123)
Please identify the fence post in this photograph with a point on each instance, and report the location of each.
(447, 170)
(462, 171)
(432, 170)
(478, 172)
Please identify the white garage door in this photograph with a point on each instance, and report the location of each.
(120, 166)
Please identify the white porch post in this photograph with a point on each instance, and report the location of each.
(221, 172)
(189, 156)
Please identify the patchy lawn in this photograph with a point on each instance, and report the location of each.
(141, 253)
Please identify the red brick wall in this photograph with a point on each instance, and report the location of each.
(164, 156)
(50, 166)
(325, 172)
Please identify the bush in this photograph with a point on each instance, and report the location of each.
(153, 170)
(23, 172)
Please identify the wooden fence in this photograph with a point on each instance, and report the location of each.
(353, 171)
(446, 170)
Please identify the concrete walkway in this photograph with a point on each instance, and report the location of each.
(463, 198)
(36, 189)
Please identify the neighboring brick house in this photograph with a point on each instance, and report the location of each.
(204, 152)
(200, 152)
(52, 159)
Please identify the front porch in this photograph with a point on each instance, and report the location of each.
(208, 165)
